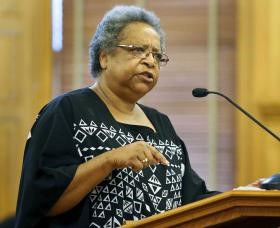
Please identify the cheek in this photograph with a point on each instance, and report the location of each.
(157, 74)
(128, 68)
(116, 68)
(123, 65)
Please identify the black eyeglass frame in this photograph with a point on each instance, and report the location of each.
(161, 58)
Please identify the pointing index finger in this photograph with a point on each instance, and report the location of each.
(158, 156)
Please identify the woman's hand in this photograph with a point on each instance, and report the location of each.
(137, 156)
(257, 183)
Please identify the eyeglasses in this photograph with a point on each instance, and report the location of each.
(143, 52)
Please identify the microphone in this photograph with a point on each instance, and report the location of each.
(202, 92)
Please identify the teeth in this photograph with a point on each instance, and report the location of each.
(148, 75)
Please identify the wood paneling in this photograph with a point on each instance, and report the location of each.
(229, 209)
(258, 154)
(25, 75)
(8, 46)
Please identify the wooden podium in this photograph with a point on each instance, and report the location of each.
(230, 209)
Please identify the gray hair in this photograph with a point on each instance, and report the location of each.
(108, 30)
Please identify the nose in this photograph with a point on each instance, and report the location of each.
(149, 59)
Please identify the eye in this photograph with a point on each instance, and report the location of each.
(138, 50)
(157, 56)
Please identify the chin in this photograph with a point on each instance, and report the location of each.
(142, 90)
(137, 94)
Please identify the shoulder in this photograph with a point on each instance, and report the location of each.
(162, 123)
(152, 111)
(64, 105)
(68, 100)
(154, 114)
(83, 94)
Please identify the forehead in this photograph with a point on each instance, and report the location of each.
(141, 34)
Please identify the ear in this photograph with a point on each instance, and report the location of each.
(103, 60)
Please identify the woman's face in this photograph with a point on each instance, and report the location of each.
(126, 74)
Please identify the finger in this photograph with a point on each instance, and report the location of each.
(136, 165)
(149, 156)
(142, 157)
(257, 183)
(145, 162)
(158, 156)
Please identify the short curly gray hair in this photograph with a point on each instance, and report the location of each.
(108, 30)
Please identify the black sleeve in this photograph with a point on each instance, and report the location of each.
(194, 187)
(50, 163)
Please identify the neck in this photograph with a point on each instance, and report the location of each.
(112, 100)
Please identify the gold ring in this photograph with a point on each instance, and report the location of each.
(145, 160)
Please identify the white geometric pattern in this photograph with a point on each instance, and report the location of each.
(125, 194)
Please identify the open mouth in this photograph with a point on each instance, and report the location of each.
(147, 75)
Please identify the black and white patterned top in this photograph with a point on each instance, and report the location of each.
(77, 127)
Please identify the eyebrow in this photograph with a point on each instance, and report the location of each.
(146, 46)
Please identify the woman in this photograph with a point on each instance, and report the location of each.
(95, 157)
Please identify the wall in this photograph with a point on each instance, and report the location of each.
(258, 80)
(25, 84)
